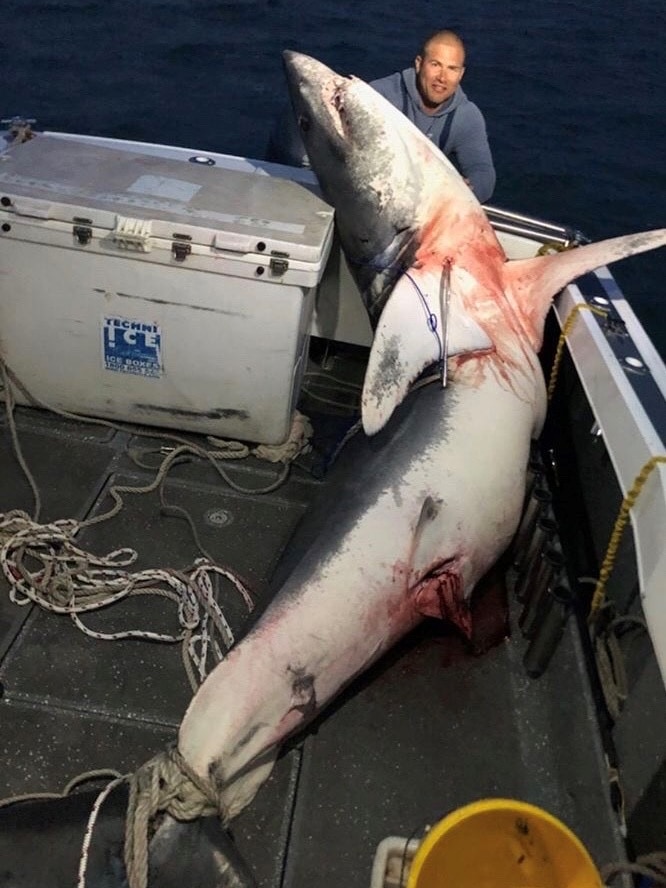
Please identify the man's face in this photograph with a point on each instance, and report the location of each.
(439, 72)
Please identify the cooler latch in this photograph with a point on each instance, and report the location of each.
(181, 247)
(132, 234)
(82, 230)
(279, 263)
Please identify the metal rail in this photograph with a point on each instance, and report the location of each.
(536, 229)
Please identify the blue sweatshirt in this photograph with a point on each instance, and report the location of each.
(458, 128)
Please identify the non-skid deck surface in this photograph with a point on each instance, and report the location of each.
(428, 729)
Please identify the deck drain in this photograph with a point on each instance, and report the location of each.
(218, 517)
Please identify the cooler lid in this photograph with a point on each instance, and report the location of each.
(52, 178)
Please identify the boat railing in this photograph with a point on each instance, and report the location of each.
(533, 228)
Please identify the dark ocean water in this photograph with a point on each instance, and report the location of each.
(573, 92)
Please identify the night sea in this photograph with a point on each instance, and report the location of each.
(572, 92)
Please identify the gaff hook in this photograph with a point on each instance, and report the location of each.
(444, 299)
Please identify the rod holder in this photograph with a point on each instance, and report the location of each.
(537, 506)
(534, 476)
(544, 533)
(547, 574)
(554, 612)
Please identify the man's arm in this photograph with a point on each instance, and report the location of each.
(472, 151)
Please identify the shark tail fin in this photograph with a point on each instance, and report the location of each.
(533, 283)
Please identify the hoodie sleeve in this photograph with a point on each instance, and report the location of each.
(393, 89)
(469, 145)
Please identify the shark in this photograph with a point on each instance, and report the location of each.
(420, 505)
(429, 497)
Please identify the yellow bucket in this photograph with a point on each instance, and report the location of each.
(502, 843)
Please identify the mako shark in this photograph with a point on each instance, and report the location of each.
(417, 512)
(435, 499)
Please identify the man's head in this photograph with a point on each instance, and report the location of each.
(439, 68)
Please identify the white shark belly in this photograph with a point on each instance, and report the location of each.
(350, 599)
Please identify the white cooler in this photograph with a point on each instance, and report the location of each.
(155, 290)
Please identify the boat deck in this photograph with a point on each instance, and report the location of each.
(433, 726)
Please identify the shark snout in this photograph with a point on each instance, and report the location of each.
(304, 70)
(302, 66)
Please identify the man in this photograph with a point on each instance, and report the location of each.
(430, 95)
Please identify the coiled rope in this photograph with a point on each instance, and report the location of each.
(165, 784)
(610, 657)
(639, 482)
(653, 866)
(43, 565)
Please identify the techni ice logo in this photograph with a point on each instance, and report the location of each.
(132, 347)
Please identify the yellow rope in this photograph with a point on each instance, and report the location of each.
(553, 247)
(620, 523)
(566, 329)
(631, 497)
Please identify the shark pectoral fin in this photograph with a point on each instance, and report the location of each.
(409, 337)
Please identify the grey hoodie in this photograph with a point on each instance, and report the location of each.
(458, 128)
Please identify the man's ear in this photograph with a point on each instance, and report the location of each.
(417, 63)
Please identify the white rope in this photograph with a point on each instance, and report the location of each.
(44, 566)
(296, 443)
(90, 826)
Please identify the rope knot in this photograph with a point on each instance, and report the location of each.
(166, 784)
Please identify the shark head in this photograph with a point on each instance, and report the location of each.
(381, 175)
(434, 279)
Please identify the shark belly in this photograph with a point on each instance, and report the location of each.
(364, 583)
